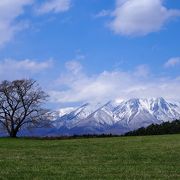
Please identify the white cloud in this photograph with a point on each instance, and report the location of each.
(110, 85)
(13, 69)
(73, 66)
(103, 13)
(55, 6)
(9, 11)
(140, 17)
(172, 62)
(142, 71)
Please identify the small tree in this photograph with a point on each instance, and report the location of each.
(21, 105)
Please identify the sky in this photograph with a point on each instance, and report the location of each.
(92, 50)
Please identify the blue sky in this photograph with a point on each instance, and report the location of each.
(92, 50)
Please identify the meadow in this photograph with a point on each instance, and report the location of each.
(146, 157)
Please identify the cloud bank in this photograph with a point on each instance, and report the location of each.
(74, 85)
(111, 85)
(140, 17)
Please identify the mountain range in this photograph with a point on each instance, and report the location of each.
(114, 117)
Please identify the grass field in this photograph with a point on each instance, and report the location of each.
(153, 157)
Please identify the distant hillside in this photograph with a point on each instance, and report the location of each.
(155, 129)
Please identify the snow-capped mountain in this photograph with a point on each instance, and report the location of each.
(116, 118)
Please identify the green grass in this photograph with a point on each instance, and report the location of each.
(153, 157)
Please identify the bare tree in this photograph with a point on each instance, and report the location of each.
(21, 105)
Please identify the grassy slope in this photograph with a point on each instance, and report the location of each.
(155, 157)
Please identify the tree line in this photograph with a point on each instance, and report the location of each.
(157, 129)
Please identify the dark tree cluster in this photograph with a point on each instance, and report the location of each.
(21, 106)
(157, 129)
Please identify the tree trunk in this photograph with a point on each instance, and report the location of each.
(13, 134)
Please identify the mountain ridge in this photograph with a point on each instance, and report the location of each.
(117, 118)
